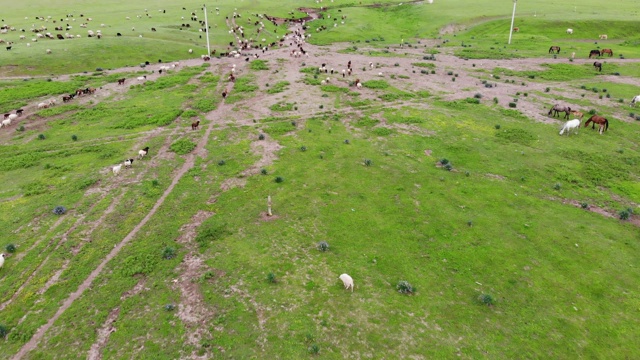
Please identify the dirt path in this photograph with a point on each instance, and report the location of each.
(189, 163)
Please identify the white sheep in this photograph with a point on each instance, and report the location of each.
(379, 74)
(1, 260)
(190, 51)
(359, 85)
(347, 281)
(142, 78)
(116, 169)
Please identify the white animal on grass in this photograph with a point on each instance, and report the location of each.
(635, 100)
(142, 78)
(379, 74)
(143, 152)
(5, 123)
(359, 85)
(116, 169)
(569, 31)
(128, 162)
(1, 260)
(570, 125)
(347, 281)
(48, 51)
(190, 51)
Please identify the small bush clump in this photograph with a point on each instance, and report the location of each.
(169, 307)
(271, 278)
(547, 89)
(486, 299)
(323, 246)
(221, 162)
(3, 331)
(11, 248)
(625, 214)
(263, 171)
(512, 105)
(497, 126)
(404, 287)
(314, 349)
(74, 137)
(279, 179)
(368, 162)
(478, 96)
(584, 205)
(261, 137)
(168, 253)
(59, 210)
(557, 186)
(41, 137)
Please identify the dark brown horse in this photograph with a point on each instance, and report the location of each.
(194, 125)
(557, 109)
(598, 65)
(600, 120)
(606, 51)
(594, 53)
(554, 48)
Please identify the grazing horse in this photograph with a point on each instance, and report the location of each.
(577, 114)
(603, 37)
(598, 65)
(594, 53)
(121, 81)
(570, 125)
(194, 126)
(557, 109)
(601, 121)
(516, 29)
(607, 51)
(635, 100)
(224, 94)
(554, 48)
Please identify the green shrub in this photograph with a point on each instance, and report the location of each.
(368, 162)
(3, 331)
(261, 137)
(444, 161)
(11, 248)
(258, 65)
(182, 146)
(211, 232)
(314, 349)
(271, 278)
(547, 89)
(625, 214)
(74, 137)
(404, 287)
(169, 307)
(512, 105)
(323, 246)
(221, 163)
(478, 96)
(279, 179)
(41, 137)
(168, 253)
(263, 171)
(584, 205)
(59, 210)
(486, 299)
(497, 126)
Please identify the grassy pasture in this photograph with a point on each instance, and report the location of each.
(366, 178)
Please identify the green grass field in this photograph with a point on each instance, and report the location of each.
(483, 210)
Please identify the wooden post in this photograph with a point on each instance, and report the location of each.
(269, 206)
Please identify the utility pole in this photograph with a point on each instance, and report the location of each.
(206, 29)
(513, 17)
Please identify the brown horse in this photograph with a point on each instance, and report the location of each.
(577, 114)
(554, 48)
(600, 120)
(194, 125)
(557, 109)
(606, 51)
(516, 29)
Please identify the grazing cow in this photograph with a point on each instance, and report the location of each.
(603, 37)
(597, 65)
(569, 31)
(594, 53)
(121, 81)
(194, 126)
(143, 152)
(128, 162)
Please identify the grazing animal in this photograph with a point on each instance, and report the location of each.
(60, 37)
(570, 125)
(194, 126)
(606, 51)
(347, 281)
(67, 98)
(118, 34)
(128, 162)
(594, 53)
(153, 29)
(516, 29)
(1, 260)
(555, 49)
(569, 31)
(557, 109)
(143, 152)
(5, 123)
(121, 81)
(8, 48)
(635, 100)
(577, 114)
(19, 112)
(116, 169)
(598, 65)
(600, 120)
(142, 78)
(603, 37)
(224, 94)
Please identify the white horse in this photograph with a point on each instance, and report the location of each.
(635, 100)
(570, 125)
